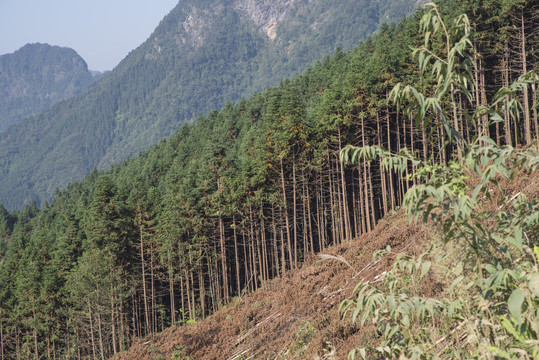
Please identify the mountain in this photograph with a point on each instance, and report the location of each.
(253, 192)
(202, 54)
(37, 76)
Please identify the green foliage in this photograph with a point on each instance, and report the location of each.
(37, 76)
(453, 71)
(302, 339)
(171, 235)
(177, 354)
(495, 282)
(490, 310)
(79, 260)
(199, 58)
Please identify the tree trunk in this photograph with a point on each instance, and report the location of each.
(295, 211)
(91, 329)
(49, 347)
(113, 321)
(171, 289)
(100, 330)
(122, 325)
(361, 207)
(152, 282)
(346, 218)
(144, 288)
(182, 295)
(304, 211)
(1, 339)
(252, 249)
(525, 102)
(202, 291)
(238, 287)
(35, 335)
(390, 172)
(193, 291)
(275, 242)
(265, 258)
(223, 259)
(365, 182)
(382, 172)
(288, 237)
(331, 200)
(505, 83)
(309, 218)
(321, 217)
(188, 289)
(245, 261)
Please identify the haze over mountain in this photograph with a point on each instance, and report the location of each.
(202, 55)
(37, 76)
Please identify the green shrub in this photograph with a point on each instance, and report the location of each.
(490, 309)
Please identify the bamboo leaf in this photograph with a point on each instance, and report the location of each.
(533, 284)
(518, 238)
(405, 321)
(425, 268)
(514, 304)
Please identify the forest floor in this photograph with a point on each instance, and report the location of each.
(297, 316)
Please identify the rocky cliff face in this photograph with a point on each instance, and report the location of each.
(266, 14)
(194, 28)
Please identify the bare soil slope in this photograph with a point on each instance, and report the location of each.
(293, 317)
(296, 316)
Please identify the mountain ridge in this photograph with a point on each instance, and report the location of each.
(35, 77)
(198, 58)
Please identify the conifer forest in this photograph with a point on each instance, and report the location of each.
(245, 194)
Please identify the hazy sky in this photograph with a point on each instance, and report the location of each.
(103, 32)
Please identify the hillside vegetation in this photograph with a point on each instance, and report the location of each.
(247, 194)
(295, 316)
(298, 316)
(35, 77)
(202, 54)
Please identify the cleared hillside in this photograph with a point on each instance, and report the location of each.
(295, 316)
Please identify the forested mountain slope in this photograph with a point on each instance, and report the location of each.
(37, 76)
(246, 194)
(202, 54)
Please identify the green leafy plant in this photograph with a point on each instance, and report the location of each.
(302, 339)
(178, 354)
(490, 309)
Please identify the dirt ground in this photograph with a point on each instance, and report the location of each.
(292, 317)
(297, 316)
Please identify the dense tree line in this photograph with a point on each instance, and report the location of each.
(482, 206)
(201, 55)
(241, 196)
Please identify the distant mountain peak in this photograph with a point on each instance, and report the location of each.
(35, 77)
(203, 54)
